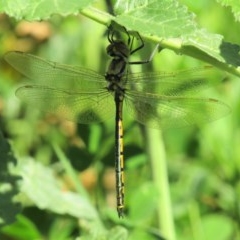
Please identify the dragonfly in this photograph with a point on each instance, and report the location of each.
(156, 99)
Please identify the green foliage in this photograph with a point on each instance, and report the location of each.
(8, 185)
(234, 5)
(22, 229)
(190, 192)
(41, 187)
(34, 10)
(139, 15)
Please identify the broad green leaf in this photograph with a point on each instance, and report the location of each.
(211, 46)
(234, 5)
(33, 10)
(40, 185)
(206, 42)
(8, 185)
(165, 18)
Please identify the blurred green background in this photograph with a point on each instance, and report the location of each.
(203, 163)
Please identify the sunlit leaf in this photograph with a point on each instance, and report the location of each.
(234, 5)
(40, 185)
(33, 10)
(161, 18)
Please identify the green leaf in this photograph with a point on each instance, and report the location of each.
(40, 185)
(234, 5)
(22, 229)
(8, 185)
(206, 42)
(33, 10)
(165, 18)
(211, 47)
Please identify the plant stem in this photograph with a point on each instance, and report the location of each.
(156, 153)
(97, 15)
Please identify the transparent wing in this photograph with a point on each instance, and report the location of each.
(53, 74)
(172, 111)
(83, 107)
(181, 83)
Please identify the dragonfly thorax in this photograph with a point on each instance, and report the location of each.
(118, 48)
(115, 85)
(116, 69)
(114, 75)
(120, 53)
